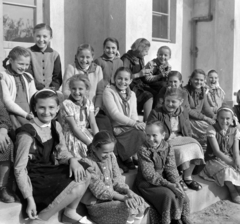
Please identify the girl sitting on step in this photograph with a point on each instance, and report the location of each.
(47, 175)
(158, 180)
(109, 200)
(222, 155)
(188, 151)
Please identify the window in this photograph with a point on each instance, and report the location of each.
(19, 18)
(164, 20)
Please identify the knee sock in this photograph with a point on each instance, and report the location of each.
(72, 213)
(4, 173)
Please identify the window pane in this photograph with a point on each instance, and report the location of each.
(18, 23)
(26, 2)
(160, 27)
(160, 6)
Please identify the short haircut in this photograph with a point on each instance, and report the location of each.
(102, 138)
(79, 77)
(42, 94)
(113, 40)
(175, 74)
(172, 91)
(165, 47)
(43, 26)
(122, 69)
(159, 124)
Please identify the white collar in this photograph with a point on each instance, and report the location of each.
(40, 124)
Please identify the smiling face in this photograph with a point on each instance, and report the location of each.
(171, 103)
(225, 119)
(123, 80)
(154, 136)
(163, 56)
(46, 109)
(85, 58)
(173, 81)
(198, 81)
(104, 151)
(78, 90)
(20, 64)
(110, 49)
(213, 79)
(42, 38)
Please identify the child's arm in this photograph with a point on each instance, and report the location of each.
(98, 188)
(57, 74)
(69, 72)
(152, 77)
(113, 111)
(142, 73)
(68, 112)
(23, 144)
(100, 83)
(206, 108)
(93, 123)
(236, 156)
(10, 105)
(211, 135)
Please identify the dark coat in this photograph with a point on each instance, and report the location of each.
(162, 115)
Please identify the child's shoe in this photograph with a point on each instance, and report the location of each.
(6, 196)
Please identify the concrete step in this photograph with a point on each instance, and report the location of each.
(209, 194)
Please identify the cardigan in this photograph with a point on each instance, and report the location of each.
(106, 180)
(45, 67)
(29, 142)
(113, 107)
(203, 106)
(95, 75)
(160, 114)
(109, 66)
(193, 113)
(9, 92)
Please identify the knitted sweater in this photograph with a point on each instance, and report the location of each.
(9, 92)
(46, 67)
(113, 106)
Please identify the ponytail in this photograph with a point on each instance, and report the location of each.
(4, 63)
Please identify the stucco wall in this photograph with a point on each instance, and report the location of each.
(215, 41)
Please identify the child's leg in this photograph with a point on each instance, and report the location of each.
(70, 202)
(147, 107)
(187, 176)
(4, 174)
(233, 192)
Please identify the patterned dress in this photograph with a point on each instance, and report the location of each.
(107, 181)
(216, 169)
(81, 117)
(157, 168)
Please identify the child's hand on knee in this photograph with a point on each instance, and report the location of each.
(76, 169)
(31, 208)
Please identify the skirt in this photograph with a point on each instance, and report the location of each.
(112, 212)
(77, 148)
(199, 129)
(8, 154)
(165, 203)
(187, 151)
(129, 140)
(218, 171)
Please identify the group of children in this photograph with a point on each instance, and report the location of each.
(67, 146)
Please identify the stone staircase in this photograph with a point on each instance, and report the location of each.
(209, 194)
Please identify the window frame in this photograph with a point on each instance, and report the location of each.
(159, 14)
(8, 45)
